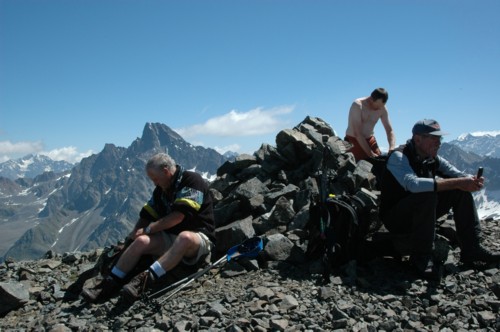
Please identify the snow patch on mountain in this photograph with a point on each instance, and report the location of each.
(205, 175)
(488, 204)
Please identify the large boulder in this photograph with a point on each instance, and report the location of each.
(12, 296)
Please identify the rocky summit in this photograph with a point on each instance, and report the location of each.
(271, 194)
(257, 295)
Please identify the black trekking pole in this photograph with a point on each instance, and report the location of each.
(324, 171)
(249, 248)
(323, 188)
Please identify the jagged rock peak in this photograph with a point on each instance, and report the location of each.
(159, 132)
(156, 136)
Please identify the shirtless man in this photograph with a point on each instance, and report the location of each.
(363, 116)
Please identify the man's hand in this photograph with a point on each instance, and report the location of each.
(476, 184)
(139, 232)
(140, 224)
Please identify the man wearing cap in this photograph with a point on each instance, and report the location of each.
(419, 187)
(363, 116)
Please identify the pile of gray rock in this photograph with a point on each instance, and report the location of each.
(269, 195)
(272, 191)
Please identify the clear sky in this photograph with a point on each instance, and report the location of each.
(75, 75)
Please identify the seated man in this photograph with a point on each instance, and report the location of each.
(363, 116)
(184, 228)
(419, 187)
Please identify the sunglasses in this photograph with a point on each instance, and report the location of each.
(433, 137)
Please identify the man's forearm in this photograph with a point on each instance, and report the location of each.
(462, 183)
(446, 184)
(166, 222)
(141, 223)
(391, 139)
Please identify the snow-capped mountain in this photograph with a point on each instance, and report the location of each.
(485, 143)
(32, 165)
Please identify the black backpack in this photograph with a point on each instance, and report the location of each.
(338, 229)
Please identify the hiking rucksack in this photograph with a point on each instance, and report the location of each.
(337, 230)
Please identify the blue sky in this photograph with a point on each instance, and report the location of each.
(75, 75)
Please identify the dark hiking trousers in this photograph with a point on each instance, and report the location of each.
(416, 215)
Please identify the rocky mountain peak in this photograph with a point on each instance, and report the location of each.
(157, 137)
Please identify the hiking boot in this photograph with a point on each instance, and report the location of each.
(102, 292)
(425, 267)
(137, 286)
(479, 254)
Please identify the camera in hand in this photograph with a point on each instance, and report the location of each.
(479, 172)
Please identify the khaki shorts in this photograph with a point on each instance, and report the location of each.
(205, 247)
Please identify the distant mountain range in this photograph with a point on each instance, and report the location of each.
(485, 144)
(31, 166)
(45, 204)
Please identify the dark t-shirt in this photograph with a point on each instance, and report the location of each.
(191, 196)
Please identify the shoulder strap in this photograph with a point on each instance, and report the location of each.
(343, 204)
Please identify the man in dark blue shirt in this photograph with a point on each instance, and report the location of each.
(419, 187)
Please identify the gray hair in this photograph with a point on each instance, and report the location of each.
(160, 161)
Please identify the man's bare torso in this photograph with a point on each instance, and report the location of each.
(361, 112)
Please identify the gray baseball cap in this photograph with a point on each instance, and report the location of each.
(428, 126)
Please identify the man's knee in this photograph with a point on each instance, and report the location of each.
(200, 248)
(188, 240)
(461, 195)
(141, 243)
(427, 199)
(419, 208)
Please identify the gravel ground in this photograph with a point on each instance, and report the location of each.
(380, 295)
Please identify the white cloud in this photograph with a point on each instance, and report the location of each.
(9, 150)
(257, 121)
(69, 154)
(7, 147)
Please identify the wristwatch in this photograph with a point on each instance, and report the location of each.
(147, 230)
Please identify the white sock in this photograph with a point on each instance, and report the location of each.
(118, 273)
(157, 269)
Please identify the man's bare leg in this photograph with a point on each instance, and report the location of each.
(153, 244)
(186, 244)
